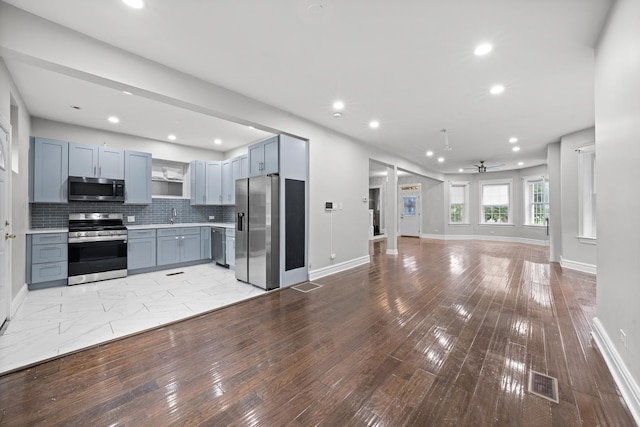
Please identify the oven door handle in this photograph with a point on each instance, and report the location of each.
(98, 239)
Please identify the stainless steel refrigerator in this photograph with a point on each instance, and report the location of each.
(258, 231)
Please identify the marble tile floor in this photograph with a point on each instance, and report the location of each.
(51, 322)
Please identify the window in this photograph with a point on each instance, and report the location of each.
(536, 200)
(495, 202)
(458, 202)
(587, 192)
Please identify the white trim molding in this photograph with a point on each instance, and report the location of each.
(497, 239)
(578, 266)
(621, 375)
(432, 236)
(17, 301)
(337, 268)
(392, 252)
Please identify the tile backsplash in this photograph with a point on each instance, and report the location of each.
(55, 215)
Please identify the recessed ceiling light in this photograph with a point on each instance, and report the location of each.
(483, 49)
(136, 4)
(217, 141)
(114, 119)
(440, 159)
(520, 163)
(429, 153)
(496, 90)
(374, 124)
(516, 148)
(460, 170)
(513, 140)
(127, 92)
(338, 105)
(171, 137)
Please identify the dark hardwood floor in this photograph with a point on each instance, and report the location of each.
(443, 334)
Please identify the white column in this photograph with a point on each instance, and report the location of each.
(392, 210)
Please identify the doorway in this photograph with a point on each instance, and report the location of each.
(5, 220)
(375, 200)
(410, 210)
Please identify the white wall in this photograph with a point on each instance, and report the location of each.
(573, 251)
(518, 231)
(555, 201)
(617, 96)
(20, 184)
(83, 135)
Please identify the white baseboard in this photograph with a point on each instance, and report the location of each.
(379, 237)
(432, 236)
(578, 266)
(495, 239)
(17, 301)
(392, 252)
(621, 375)
(337, 268)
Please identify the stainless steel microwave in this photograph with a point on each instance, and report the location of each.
(96, 189)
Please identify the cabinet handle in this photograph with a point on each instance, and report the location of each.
(94, 171)
(100, 171)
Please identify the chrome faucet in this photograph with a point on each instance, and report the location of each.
(174, 214)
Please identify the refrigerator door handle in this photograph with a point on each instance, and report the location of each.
(240, 222)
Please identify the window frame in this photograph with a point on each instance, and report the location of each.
(527, 199)
(465, 204)
(481, 185)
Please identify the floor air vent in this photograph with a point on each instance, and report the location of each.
(543, 386)
(306, 287)
(177, 272)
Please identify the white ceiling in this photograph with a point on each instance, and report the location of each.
(408, 64)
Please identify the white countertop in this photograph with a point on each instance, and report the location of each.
(47, 230)
(142, 227)
(187, 224)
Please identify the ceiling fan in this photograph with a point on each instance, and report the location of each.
(482, 168)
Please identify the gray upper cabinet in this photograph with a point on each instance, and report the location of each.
(264, 157)
(206, 183)
(244, 167)
(49, 161)
(213, 174)
(197, 182)
(137, 177)
(228, 187)
(95, 162)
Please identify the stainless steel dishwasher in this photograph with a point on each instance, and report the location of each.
(218, 246)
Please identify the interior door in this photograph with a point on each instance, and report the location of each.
(5, 220)
(410, 211)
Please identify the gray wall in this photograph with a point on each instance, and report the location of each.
(20, 201)
(555, 201)
(432, 201)
(572, 248)
(516, 231)
(617, 91)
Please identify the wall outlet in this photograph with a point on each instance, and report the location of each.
(131, 218)
(212, 217)
(623, 338)
(333, 256)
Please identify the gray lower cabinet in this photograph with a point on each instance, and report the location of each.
(176, 245)
(46, 257)
(137, 177)
(49, 168)
(141, 249)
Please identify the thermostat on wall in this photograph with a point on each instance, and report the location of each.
(329, 206)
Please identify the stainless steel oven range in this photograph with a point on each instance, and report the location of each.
(97, 247)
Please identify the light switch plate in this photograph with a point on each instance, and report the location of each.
(211, 217)
(131, 218)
